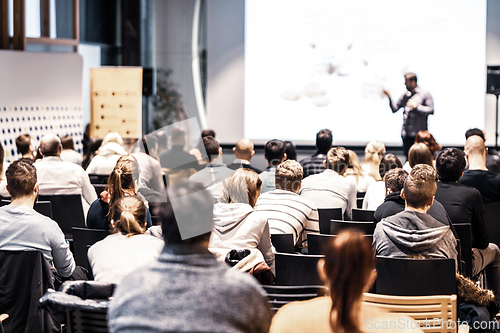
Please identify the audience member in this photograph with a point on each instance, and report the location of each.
(176, 158)
(124, 180)
(243, 151)
(465, 205)
(413, 231)
(91, 151)
(187, 289)
(238, 226)
(493, 157)
(56, 176)
(127, 248)
(348, 270)
(199, 152)
(68, 153)
(213, 175)
(314, 164)
(274, 153)
(419, 153)
(356, 175)
(426, 138)
(375, 194)
(3, 179)
(290, 150)
(330, 189)
(151, 174)
(110, 151)
(374, 152)
(26, 146)
(288, 212)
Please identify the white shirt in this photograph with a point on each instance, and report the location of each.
(105, 160)
(69, 155)
(375, 195)
(150, 171)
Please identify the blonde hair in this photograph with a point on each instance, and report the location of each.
(289, 175)
(112, 137)
(243, 186)
(355, 165)
(129, 216)
(374, 152)
(124, 176)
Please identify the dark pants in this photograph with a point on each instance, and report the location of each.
(408, 141)
(80, 273)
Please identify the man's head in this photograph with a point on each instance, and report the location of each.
(324, 141)
(289, 176)
(178, 137)
(24, 144)
(337, 160)
(274, 152)
(208, 132)
(394, 180)
(474, 131)
(475, 147)
(21, 179)
(420, 187)
(244, 149)
(212, 147)
(450, 164)
(67, 142)
(410, 81)
(50, 145)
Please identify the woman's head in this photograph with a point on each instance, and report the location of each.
(388, 162)
(354, 163)
(125, 176)
(113, 137)
(374, 151)
(427, 138)
(243, 186)
(419, 153)
(129, 216)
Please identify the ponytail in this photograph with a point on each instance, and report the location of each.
(123, 177)
(129, 216)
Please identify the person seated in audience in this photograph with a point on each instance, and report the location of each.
(426, 138)
(215, 172)
(493, 156)
(124, 180)
(356, 175)
(274, 153)
(348, 270)
(198, 152)
(314, 164)
(478, 176)
(127, 248)
(374, 152)
(68, 153)
(288, 212)
(375, 194)
(464, 204)
(26, 146)
(237, 226)
(110, 151)
(176, 158)
(92, 149)
(187, 289)
(290, 150)
(151, 174)
(413, 231)
(3, 180)
(419, 153)
(56, 176)
(330, 189)
(243, 151)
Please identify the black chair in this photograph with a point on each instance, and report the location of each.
(99, 188)
(44, 208)
(464, 233)
(67, 211)
(316, 242)
(359, 200)
(297, 269)
(83, 238)
(325, 216)
(98, 179)
(281, 295)
(366, 228)
(362, 215)
(492, 218)
(283, 243)
(415, 277)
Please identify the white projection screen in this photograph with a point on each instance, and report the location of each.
(319, 64)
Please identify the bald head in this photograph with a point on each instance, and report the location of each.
(50, 145)
(475, 145)
(244, 149)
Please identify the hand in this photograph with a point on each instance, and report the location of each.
(105, 196)
(412, 104)
(386, 93)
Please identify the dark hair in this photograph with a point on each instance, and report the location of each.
(427, 138)
(324, 141)
(420, 186)
(91, 151)
(67, 142)
(23, 143)
(124, 175)
(290, 150)
(419, 153)
(388, 162)
(337, 159)
(21, 178)
(208, 132)
(274, 151)
(211, 147)
(411, 77)
(2, 157)
(129, 216)
(192, 203)
(450, 164)
(349, 263)
(474, 131)
(395, 179)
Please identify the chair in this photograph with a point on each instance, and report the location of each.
(464, 233)
(362, 215)
(67, 211)
(297, 269)
(99, 188)
(283, 243)
(359, 200)
(365, 227)
(415, 277)
(426, 310)
(492, 218)
(82, 239)
(98, 179)
(316, 242)
(325, 216)
(44, 208)
(281, 295)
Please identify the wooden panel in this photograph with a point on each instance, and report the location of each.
(45, 18)
(4, 25)
(19, 41)
(54, 41)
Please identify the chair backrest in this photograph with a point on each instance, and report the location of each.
(364, 215)
(366, 228)
(99, 188)
(283, 243)
(67, 211)
(297, 269)
(44, 208)
(426, 310)
(325, 216)
(491, 214)
(82, 239)
(316, 242)
(464, 232)
(98, 179)
(415, 277)
(281, 295)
